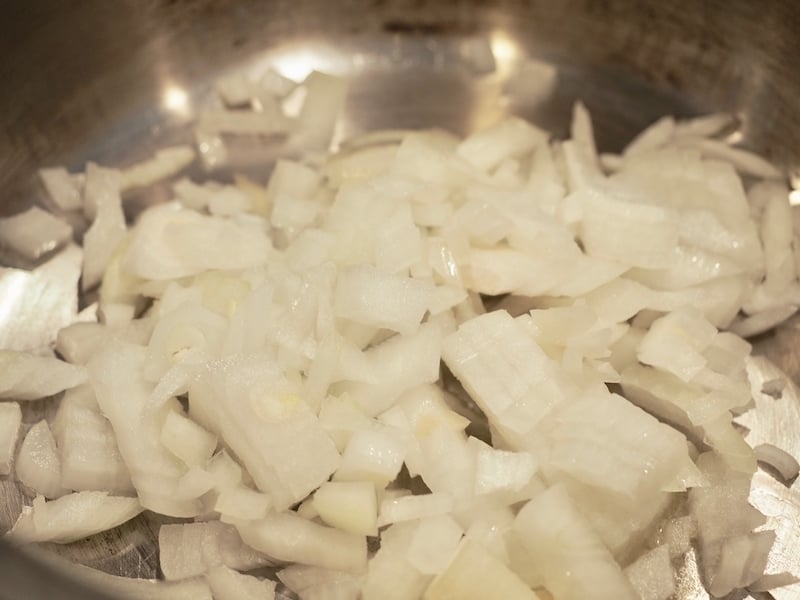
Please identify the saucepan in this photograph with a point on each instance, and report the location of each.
(112, 80)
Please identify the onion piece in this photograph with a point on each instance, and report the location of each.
(285, 536)
(38, 466)
(10, 420)
(408, 508)
(778, 459)
(390, 575)
(651, 575)
(90, 458)
(29, 377)
(705, 126)
(116, 374)
(475, 574)
(655, 136)
(434, 544)
(773, 581)
(188, 550)
(762, 321)
(774, 387)
(278, 438)
(632, 233)
(63, 188)
(367, 295)
(187, 440)
(169, 242)
(501, 470)
(103, 204)
(510, 138)
(73, 517)
(372, 456)
(212, 148)
(324, 100)
(747, 163)
(573, 561)
(34, 233)
(741, 561)
(77, 342)
(166, 163)
(241, 503)
(582, 132)
(320, 584)
(678, 534)
(350, 506)
(227, 584)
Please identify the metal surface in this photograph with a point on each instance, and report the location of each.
(111, 80)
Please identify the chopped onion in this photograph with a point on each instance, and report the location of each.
(90, 458)
(287, 537)
(324, 100)
(166, 163)
(241, 503)
(573, 561)
(475, 574)
(268, 358)
(10, 419)
(652, 576)
(187, 440)
(780, 460)
(227, 584)
(434, 544)
(28, 377)
(63, 188)
(414, 507)
(350, 506)
(74, 516)
(655, 136)
(38, 465)
(188, 550)
(320, 584)
(103, 204)
(34, 233)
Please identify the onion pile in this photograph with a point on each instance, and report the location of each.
(421, 367)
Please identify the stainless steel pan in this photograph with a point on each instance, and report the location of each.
(110, 80)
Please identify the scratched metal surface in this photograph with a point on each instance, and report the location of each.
(447, 67)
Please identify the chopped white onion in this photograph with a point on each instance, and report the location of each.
(475, 574)
(652, 576)
(28, 377)
(227, 584)
(510, 138)
(778, 459)
(87, 446)
(63, 188)
(166, 163)
(116, 372)
(10, 420)
(288, 537)
(348, 505)
(324, 100)
(38, 465)
(414, 507)
(191, 549)
(300, 327)
(241, 503)
(187, 440)
(74, 516)
(34, 233)
(573, 561)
